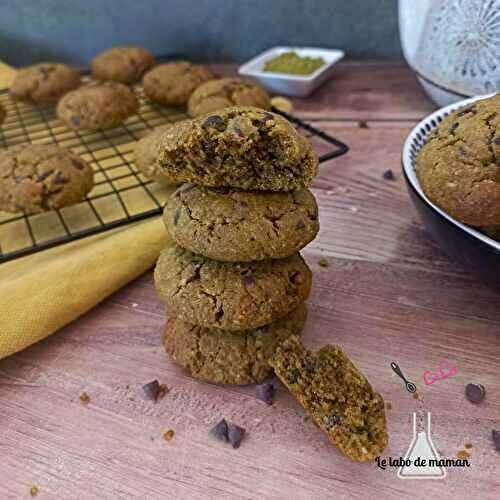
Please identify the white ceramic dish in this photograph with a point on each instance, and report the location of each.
(284, 83)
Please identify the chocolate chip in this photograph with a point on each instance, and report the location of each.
(300, 225)
(310, 365)
(235, 434)
(238, 131)
(221, 189)
(44, 175)
(495, 435)
(220, 430)
(45, 73)
(453, 128)
(331, 420)
(261, 331)
(496, 141)
(475, 393)
(293, 377)
(214, 121)
(177, 215)
(152, 390)
(77, 164)
(363, 124)
(466, 111)
(388, 175)
(248, 279)
(75, 120)
(267, 117)
(60, 179)
(265, 392)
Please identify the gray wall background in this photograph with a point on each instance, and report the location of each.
(217, 30)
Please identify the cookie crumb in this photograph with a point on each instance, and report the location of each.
(388, 175)
(84, 398)
(265, 392)
(363, 124)
(388, 406)
(468, 445)
(415, 395)
(235, 435)
(168, 435)
(34, 491)
(463, 455)
(323, 263)
(475, 393)
(282, 104)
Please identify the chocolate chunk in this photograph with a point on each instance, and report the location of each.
(300, 225)
(453, 128)
(221, 189)
(235, 434)
(293, 377)
(238, 131)
(45, 72)
(248, 279)
(388, 175)
(475, 393)
(59, 178)
(265, 392)
(75, 120)
(43, 176)
(214, 121)
(152, 390)
(363, 124)
(220, 430)
(496, 141)
(465, 111)
(495, 435)
(267, 117)
(261, 331)
(331, 420)
(77, 164)
(177, 215)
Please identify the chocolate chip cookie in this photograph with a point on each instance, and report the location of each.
(230, 296)
(336, 395)
(223, 357)
(240, 147)
(39, 177)
(225, 92)
(146, 154)
(44, 83)
(171, 84)
(97, 106)
(122, 64)
(458, 167)
(240, 226)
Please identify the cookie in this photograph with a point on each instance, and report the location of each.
(97, 106)
(122, 64)
(3, 114)
(171, 84)
(223, 357)
(230, 296)
(240, 147)
(458, 167)
(44, 83)
(39, 177)
(146, 153)
(225, 92)
(240, 226)
(336, 395)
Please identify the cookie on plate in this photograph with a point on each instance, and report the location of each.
(97, 106)
(336, 395)
(171, 84)
(458, 167)
(240, 226)
(146, 154)
(39, 177)
(226, 92)
(44, 83)
(230, 296)
(122, 64)
(223, 357)
(240, 147)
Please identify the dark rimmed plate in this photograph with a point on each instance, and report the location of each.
(473, 249)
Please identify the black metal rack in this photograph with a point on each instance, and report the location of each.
(121, 196)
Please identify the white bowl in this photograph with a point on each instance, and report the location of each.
(284, 83)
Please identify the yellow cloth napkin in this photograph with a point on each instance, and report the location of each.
(43, 292)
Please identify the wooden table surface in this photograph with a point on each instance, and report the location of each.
(389, 294)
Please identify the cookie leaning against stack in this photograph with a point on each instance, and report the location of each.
(233, 280)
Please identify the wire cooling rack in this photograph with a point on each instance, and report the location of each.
(121, 195)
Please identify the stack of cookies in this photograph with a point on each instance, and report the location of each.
(232, 279)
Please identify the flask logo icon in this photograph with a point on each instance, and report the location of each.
(422, 460)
